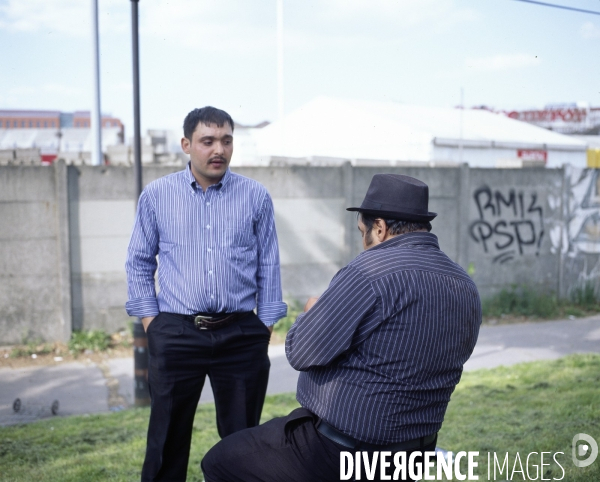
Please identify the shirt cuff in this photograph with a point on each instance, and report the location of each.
(271, 313)
(142, 307)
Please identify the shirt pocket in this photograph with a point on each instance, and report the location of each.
(238, 238)
(239, 246)
(165, 247)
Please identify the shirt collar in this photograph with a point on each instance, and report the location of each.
(191, 180)
(409, 239)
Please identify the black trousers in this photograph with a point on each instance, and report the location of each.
(285, 449)
(236, 361)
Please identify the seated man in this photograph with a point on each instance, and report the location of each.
(380, 351)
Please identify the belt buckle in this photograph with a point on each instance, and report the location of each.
(199, 319)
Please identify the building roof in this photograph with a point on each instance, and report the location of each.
(29, 113)
(593, 142)
(354, 129)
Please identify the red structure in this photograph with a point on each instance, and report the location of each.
(29, 119)
(51, 119)
(564, 118)
(82, 119)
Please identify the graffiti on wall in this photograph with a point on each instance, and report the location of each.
(510, 223)
(581, 231)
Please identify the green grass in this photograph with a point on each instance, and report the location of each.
(526, 408)
(103, 447)
(531, 407)
(522, 301)
(30, 349)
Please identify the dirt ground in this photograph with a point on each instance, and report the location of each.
(43, 354)
(59, 354)
(19, 356)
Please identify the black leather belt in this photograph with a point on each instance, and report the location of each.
(336, 436)
(214, 321)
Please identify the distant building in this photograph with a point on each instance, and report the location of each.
(567, 118)
(329, 130)
(52, 119)
(54, 134)
(29, 119)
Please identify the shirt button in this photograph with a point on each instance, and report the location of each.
(209, 250)
(212, 297)
(208, 226)
(208, 203)
(210, 272)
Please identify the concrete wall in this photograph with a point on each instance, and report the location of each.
(35, 298)
(64, 234)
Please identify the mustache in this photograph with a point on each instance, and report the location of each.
(217, 159)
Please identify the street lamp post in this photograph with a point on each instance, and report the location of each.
(140, 341)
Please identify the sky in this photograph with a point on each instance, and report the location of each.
(504, 54)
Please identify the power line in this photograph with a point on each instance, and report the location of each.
(559, 6)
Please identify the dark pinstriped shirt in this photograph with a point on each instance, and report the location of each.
(217, 249)
(384, 346)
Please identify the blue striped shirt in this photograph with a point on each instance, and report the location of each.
(384, 346)
(217, 250)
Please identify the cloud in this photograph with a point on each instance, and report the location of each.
(502, 62)
(379, 24)
(589, 31)
(120, 87)
(232, 25)
(227, 24)
(50, 88)
(68, 17)
(37, 15)
(43, 96)
(236, 25)
(440, 14)
(61, 89)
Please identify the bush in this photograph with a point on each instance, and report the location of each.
(283, 325)
(31, 349)
(94, 340)
(523, 301)
(520, 301)
(585, 296)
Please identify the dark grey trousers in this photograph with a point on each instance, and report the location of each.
(285, 449)
(236, 361)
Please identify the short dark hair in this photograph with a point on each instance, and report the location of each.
(395, 226)
(206, 115)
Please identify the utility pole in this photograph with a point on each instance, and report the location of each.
(137, 137)
(460, 137)
(280, 96)
(280, 105)
(140, 340)
(96, 115)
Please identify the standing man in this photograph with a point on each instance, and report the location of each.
(214, 234)
(380, 352)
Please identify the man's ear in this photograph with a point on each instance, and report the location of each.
(381, 229)
(185, 145)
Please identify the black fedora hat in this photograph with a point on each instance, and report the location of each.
(395, 196)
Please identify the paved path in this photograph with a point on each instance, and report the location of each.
(548, 340)
(84, 388)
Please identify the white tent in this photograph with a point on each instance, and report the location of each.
(72, 139)
(387, 132)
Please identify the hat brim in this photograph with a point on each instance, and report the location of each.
(397, 215)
